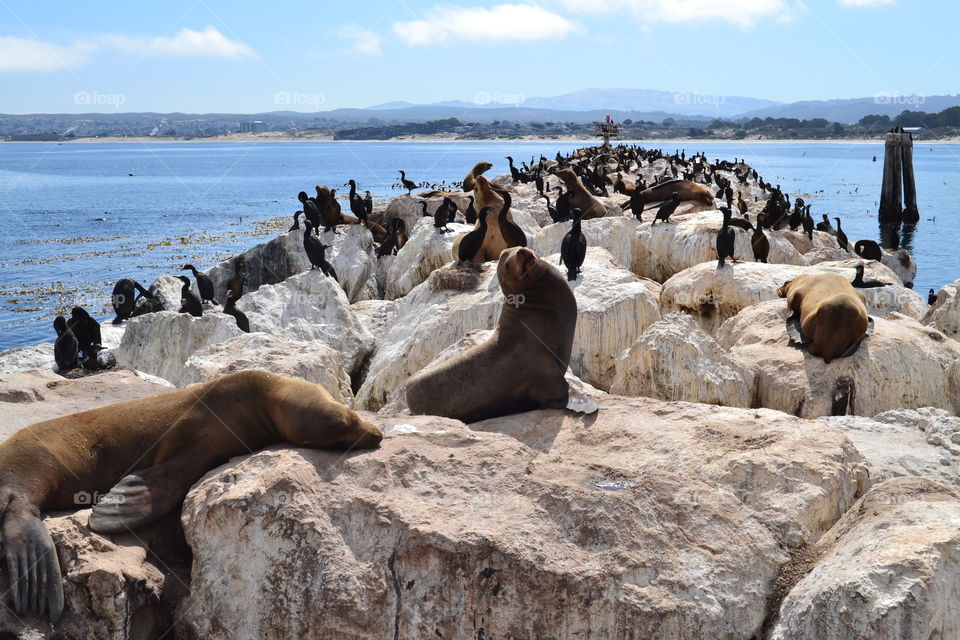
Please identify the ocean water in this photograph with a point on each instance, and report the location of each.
(73, 220)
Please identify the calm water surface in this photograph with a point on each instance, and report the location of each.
(74, 220)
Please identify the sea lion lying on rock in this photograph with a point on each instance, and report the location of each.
(580, 198)
(522, 366)
(147, 453)
(685, 189)
(832, 314)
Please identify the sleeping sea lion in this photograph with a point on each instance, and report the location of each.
(522, 366)
(148, 453)
(580, 198)
(832, 314)
(685, 189)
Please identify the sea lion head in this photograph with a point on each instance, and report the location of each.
(568, 176)
(518, 269)
(480, 167)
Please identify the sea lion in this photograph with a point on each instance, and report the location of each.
(685, 190)
(521, 367)
(493, 241)
(580, 198)
(147, 453)
(469, 181)
(832, 314)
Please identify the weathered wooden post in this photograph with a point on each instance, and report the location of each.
(911, 215)
(898, 179)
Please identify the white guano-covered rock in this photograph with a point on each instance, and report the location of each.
(166, 295)
(889, 570)
(37, 356)
(310, 360)
(426, 249)
(713, 295)
(906, 442)
(309, 306)
(674, 359)
(902, 364)
(160, 343)
(447, 532)
(945, 312)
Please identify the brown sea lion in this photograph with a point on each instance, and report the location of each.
(832, 314)
(148, 453)
(580, 198)
(521, 367)
(686, 189)
(478, 169)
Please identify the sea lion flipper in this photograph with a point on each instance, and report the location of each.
(580, 404)
(32, 565)
(140, 498)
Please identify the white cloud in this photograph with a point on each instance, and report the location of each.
(742, 13)
(26, 54)
(865, 3)
(500, 22)
(209, 43)
(365, 42)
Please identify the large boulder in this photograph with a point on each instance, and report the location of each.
(160, 343)
(351, 254)
(799, 476)
(310, 360)
(902, 364)
(906, 442)
(944, 314)
(713, 295)
(309, 306)
(375, 315)
(448, 532)
(888, 570)
(674, 359)
(166, 295)
(33, 396)
(112, 590)
(901, 263)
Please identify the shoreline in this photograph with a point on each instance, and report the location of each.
(285, 137)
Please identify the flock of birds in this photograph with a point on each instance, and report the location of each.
(595, 170)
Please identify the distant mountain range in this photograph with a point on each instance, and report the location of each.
(648, 104)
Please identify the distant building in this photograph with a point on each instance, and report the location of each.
(253, 126)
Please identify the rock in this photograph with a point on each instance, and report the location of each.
(902, 264)
(906, 442)
(426, 250)
(799, 476)
(160, 343)
(309, 306)
(901, 365)
(614, 307)
(713, 295)
(889, 569)
(166, 296)
(352, 256)
(613, 233)
(111, 589)
(375, 315)
(34, 396)
(674, 359)
(945, 312)
(38, 356)
(445, 532)
(313, 361)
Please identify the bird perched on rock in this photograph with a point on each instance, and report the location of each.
(573, 248)
(726, 239)
(316, 252)
(664, 212)
(471, 243)
(204, 284)
(760, 243)
(409, 185)
(189, 302)
(860, 283)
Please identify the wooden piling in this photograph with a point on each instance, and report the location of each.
(898, 180)
(911, 215)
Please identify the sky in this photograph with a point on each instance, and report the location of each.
(206, 56)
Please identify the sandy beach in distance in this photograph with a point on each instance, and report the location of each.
(282, 136)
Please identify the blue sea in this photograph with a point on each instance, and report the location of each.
(76, 217)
